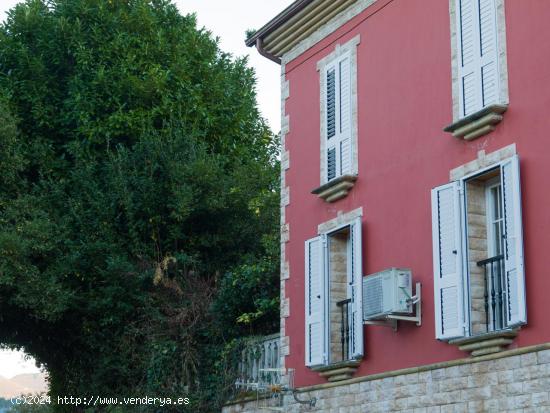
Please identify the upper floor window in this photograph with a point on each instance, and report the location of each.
(480, 73)
(478, 57)
(337, 78)
(338, 97)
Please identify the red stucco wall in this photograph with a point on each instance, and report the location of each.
(404, 88)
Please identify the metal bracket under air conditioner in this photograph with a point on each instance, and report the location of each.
(390, 320)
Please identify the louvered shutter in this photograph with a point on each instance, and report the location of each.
(514, 277)
(355, 290)
(337, 79)
(315, 301)
(469, 56)
(332, 143)
(331, 163)
(488, 46)
(345, 115)
(331, 102)
(448, 268)
(478, 62)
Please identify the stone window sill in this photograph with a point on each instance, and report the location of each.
(338, 371)
(488, 343)
(336, 189)
(477, 124)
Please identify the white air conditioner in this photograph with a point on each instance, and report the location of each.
(387, 292)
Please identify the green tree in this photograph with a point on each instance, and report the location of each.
(138, 201)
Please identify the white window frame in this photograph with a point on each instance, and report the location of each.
(456, 53)
(359, 298)
(490, 207)
(465, 273)
(348, 49)
(336, 141)
(349, 220)
(490, 218)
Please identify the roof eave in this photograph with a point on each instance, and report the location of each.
(294, 25)
(277, 21)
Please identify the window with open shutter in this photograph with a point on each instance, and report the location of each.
(479, 275)
(338, 117)
(478, 56)
(333, 294)
(315, 301)
(514, 274)
(355, 284)
(448, 267)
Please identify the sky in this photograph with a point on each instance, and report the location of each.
(13, 363)
(227, 20)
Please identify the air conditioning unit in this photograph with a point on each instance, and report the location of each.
(387, 292)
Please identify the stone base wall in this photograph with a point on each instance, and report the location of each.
(512, 381)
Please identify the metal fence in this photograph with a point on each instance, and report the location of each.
(345, 327)
(260, 361)
(495, 316)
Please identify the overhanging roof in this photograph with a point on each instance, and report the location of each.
(292, 25)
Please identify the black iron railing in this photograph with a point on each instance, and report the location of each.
(494, 292)
(345, 327)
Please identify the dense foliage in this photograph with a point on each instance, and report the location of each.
(5, 405)
(138, 200)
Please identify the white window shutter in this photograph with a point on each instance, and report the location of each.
(448, 267)
(330, 77)
(345, 115)
(478, 58)
(355, 290)
(332, 127)
(315, 301)
(488, 52)
(331, 163)
(338, 122)
(468, 35)
(514, 277)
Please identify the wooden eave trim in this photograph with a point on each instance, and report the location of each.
(277, 21)
(306, 25)
(295, 24)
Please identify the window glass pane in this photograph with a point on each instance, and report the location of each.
(499, 202)
(498, 237)
(494, 195)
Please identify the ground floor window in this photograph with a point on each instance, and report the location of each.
(334, 325)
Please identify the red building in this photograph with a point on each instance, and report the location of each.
(415, 137)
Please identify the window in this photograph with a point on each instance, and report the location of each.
(478, 253)
(337, 77)
(334, 324)
(478, 55)
(338, 127)
(493, 314)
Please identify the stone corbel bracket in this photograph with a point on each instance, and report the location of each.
(336, 189)
(477, 124)
(489, 343)
(343, 370)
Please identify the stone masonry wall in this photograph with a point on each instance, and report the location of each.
(512, 381)
(285, 226)
(477, 251)
(338, 260)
